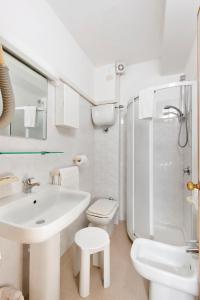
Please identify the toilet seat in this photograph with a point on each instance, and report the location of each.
(102, 211)
(103, 208)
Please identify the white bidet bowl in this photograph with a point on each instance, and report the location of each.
(172, 272)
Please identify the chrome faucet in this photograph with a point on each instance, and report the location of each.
(193, 247)
(28, 185)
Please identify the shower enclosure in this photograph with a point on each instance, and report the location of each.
(161, 156)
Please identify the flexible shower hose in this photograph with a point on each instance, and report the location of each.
(6, 93)
(183, 120)
(184, 144)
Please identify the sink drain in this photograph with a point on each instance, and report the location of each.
(40, 222)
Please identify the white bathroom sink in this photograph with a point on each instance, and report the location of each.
(36, 217)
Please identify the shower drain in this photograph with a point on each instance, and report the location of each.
(40, 222)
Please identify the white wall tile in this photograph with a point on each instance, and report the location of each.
(107, 162)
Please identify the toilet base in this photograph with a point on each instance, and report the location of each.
(159, 291)
(109, 228)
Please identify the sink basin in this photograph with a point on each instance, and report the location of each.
(36, 217)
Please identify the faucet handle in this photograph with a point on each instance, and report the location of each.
(27, 180)
(30, 179)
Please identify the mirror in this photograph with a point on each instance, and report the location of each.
(31, 92)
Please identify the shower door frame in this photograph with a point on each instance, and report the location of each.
(198, 122)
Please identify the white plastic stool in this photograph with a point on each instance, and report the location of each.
(92, 240)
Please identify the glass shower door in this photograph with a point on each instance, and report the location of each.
(172, 166)
(138, 204)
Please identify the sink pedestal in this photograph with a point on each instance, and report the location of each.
(44, 280)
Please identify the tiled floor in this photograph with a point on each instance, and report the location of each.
(126, 284)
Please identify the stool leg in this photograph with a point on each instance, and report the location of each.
(106, 267)
(76, 260)
(84, 284)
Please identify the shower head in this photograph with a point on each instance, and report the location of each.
(180, 114)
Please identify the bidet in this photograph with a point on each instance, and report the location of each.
(173, 273)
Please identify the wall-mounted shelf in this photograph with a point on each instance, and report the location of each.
(31, 152)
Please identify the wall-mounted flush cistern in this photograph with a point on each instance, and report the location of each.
(104, 116)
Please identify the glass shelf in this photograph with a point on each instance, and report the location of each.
(31, 152)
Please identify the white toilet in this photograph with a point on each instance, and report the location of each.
(103, 213)
(172, 272)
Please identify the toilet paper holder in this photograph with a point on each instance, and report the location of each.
(80, 159)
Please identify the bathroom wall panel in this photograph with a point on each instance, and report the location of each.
(72, 142)
(105, 84)
(191, 64)
(141, 76)
(106, 179)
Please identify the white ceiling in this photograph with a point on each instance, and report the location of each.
(114, 30)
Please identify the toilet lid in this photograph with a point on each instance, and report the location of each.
(102, 207)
